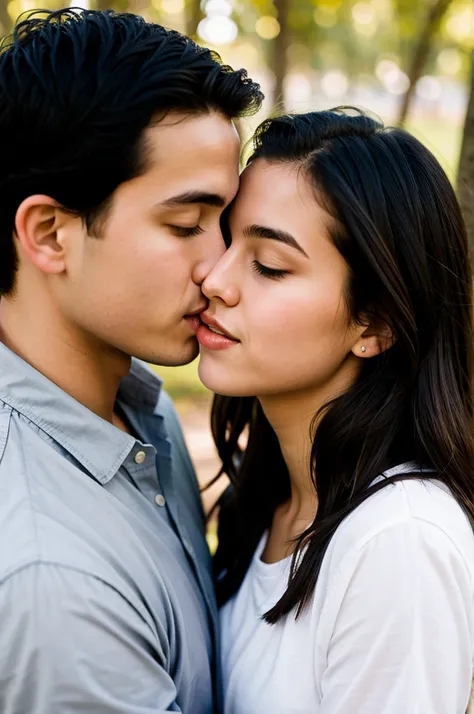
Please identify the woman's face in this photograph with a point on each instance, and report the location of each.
(279, 292)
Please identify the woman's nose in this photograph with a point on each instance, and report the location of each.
(221, 282)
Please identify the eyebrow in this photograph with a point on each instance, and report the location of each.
(192, 197)
(256, 231)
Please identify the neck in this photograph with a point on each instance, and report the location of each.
(293, 418)
(81, 366)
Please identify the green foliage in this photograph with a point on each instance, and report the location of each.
(318, 24)
(182, 382)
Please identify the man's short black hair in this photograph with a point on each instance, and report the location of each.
(77, 89)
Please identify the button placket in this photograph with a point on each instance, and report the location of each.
(143, 475)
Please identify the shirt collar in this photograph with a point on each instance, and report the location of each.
(98, 445)
(141, 388)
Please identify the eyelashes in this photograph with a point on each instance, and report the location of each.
(271, 273)
(186, 232)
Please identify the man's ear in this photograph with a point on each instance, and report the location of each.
(38, 224)
(378, 337)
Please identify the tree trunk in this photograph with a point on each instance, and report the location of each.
(278, 54)
(422, 49)
(194, 15)
(466, 167)
(5, 19)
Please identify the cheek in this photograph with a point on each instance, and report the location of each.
(300, 337)
(298, 317)
(148, 271)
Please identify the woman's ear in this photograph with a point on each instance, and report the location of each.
(38, 222)
(377, 337)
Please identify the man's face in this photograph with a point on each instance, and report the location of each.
(134, 288)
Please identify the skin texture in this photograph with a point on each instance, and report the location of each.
(84, 304)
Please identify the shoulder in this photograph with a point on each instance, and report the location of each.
(51, 512)
(419, 515)
(393, 604)
(421, 501)
(20, 450)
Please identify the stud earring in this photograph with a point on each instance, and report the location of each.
(363, 348)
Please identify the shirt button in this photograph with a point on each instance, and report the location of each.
(140, 457)
(160, 500)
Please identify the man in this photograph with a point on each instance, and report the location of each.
(118, 158)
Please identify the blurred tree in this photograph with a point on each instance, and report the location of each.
(466, 166)
(434, 16)
(5, 19)
(279, 53)
(194, 15)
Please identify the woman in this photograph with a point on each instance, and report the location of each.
(340, 318)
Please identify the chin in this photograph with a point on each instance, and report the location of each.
(172, 356)
(226, 386)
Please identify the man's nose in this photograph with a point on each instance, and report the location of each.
(212, 251)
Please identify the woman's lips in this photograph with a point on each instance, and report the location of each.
(212, 340)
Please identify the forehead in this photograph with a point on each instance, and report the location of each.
(188, 152)
(279, 195)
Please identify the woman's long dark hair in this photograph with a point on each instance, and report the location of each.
(402, 235)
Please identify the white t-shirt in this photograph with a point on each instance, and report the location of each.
(389, 629)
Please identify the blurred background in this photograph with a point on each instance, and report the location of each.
(408, 61)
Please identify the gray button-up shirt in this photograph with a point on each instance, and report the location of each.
(106, 598)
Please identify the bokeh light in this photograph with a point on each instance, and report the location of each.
(217, 7)
(449, 61)
(459, 25)
(218, 30)
(428, 88)
(172, 7)
(325, 16)
(335, 83)
(267, 27)
(392, 77)
(363, 13)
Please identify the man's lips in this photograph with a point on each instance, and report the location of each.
(193, 318)
(200, 309)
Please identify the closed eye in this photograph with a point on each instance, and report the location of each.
(272, 273)
(186, 231)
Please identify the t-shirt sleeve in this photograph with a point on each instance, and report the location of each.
(402, 638)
